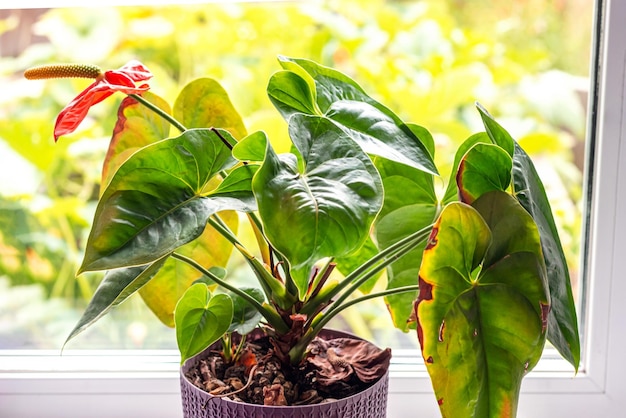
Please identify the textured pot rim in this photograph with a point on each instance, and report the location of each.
(335, 334)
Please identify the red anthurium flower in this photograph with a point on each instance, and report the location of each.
(105, 85)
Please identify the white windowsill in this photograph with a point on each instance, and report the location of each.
(92, 379)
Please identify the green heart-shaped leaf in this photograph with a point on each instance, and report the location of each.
(251, 148)
(238, 183)
(201, 319)
(139, 221)
(410, 204)
(323, 210)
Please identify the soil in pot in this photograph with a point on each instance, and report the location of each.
(333, 369)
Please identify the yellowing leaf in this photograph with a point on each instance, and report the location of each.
(136, 127)
(203, 103)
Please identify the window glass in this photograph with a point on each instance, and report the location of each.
(526, 61)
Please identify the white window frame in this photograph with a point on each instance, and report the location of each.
(145, 384)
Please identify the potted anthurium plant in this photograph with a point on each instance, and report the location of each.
(479, 272)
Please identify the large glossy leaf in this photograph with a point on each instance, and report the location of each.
(204, 103)
(136, 127)
(373, 126)
(201, 319)
(482, 308)
(380, 134)
(210, 249)
(323, 210)
(529, 191)
(483, 168)
(156, 201)
(117, 286)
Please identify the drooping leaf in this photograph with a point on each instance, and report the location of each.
(245, 316)
(136, 127)
(368, 363)
(373, 126)
(210, 249)
(201, 319)
(326, 209)
(483, 168)
(138, 221)
(117, 286)
(529, 191)
(563, 323)
(203, 103)
(482, 307)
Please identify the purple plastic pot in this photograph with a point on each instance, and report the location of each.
(370, 403)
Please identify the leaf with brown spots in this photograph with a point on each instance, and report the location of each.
(481, 310)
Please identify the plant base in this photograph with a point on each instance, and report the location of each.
(369, 403)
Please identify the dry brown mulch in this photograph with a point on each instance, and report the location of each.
(333, 369)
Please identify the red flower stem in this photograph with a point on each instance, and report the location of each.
(159, 112)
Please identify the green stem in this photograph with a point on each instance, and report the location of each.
(296, 353)
(289, 283)
(223, 229)
(319, 322)
(368, 269)
(274, 290)
(159, 112)
(386, 256)
(227, 348)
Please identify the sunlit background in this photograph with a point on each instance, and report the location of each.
(527, 61)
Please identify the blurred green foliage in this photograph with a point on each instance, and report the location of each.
(429, 60)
